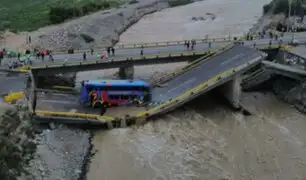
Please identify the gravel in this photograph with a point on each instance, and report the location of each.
(60, 154)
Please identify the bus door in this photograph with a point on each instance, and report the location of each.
(104, 98)
(84, 94)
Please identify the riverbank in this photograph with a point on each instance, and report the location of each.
(104, 27)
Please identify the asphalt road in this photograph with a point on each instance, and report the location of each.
(238, 55)
(12, 83)
(62, 102)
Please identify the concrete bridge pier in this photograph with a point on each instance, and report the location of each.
(232, 91)
(126, 72)
(281, 57)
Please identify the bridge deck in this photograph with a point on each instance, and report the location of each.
(57, 102)
(204, 72)
(299, 51)
(230, 59)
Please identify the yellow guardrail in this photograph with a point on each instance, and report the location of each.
(136, 57)
(71, 114)
(63, 88)
(189, 92)
(13, 96)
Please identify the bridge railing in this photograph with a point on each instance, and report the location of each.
(118, 59)
(157, 44)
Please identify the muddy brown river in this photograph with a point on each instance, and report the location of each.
(204, 139)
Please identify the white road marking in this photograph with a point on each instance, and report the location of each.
(232, 58)
(183, 84)
(57, 101)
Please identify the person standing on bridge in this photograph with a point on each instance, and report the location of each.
(18, 56)
(1, 57)
(108, 51)
(84, 56)
(42, 56)
(113, 51)
(50, 56)
(141, 50)
(91, 51)
(187, 45)
(193, 43)
(270, 43)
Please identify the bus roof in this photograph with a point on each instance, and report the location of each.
(102, 83)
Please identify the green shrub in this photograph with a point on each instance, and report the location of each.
(70, 51)
(60, 14)
(87, 38)
(133, 2)
(282, 6)
(174, 3)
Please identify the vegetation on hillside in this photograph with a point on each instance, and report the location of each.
(28, 15)
(16, 145)
(174, 3)
(282, 6)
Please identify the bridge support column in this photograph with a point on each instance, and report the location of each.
(126, 72)
(281, 57)
(232, 91)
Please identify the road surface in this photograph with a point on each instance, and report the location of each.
(236, 56)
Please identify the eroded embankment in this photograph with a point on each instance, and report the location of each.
(104, 27)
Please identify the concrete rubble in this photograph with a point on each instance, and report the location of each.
(291, 91)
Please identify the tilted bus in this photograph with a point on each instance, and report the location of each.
(114, 92)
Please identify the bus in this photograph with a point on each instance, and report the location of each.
(95, 93)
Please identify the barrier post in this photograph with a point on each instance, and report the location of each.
(123, 122)
(110, 125)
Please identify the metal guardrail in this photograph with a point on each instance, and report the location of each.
(162, 44)
(140, 57)
(131, 58)
(71, 114)
(190, 92)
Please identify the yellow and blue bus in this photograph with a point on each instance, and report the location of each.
(114, 92)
